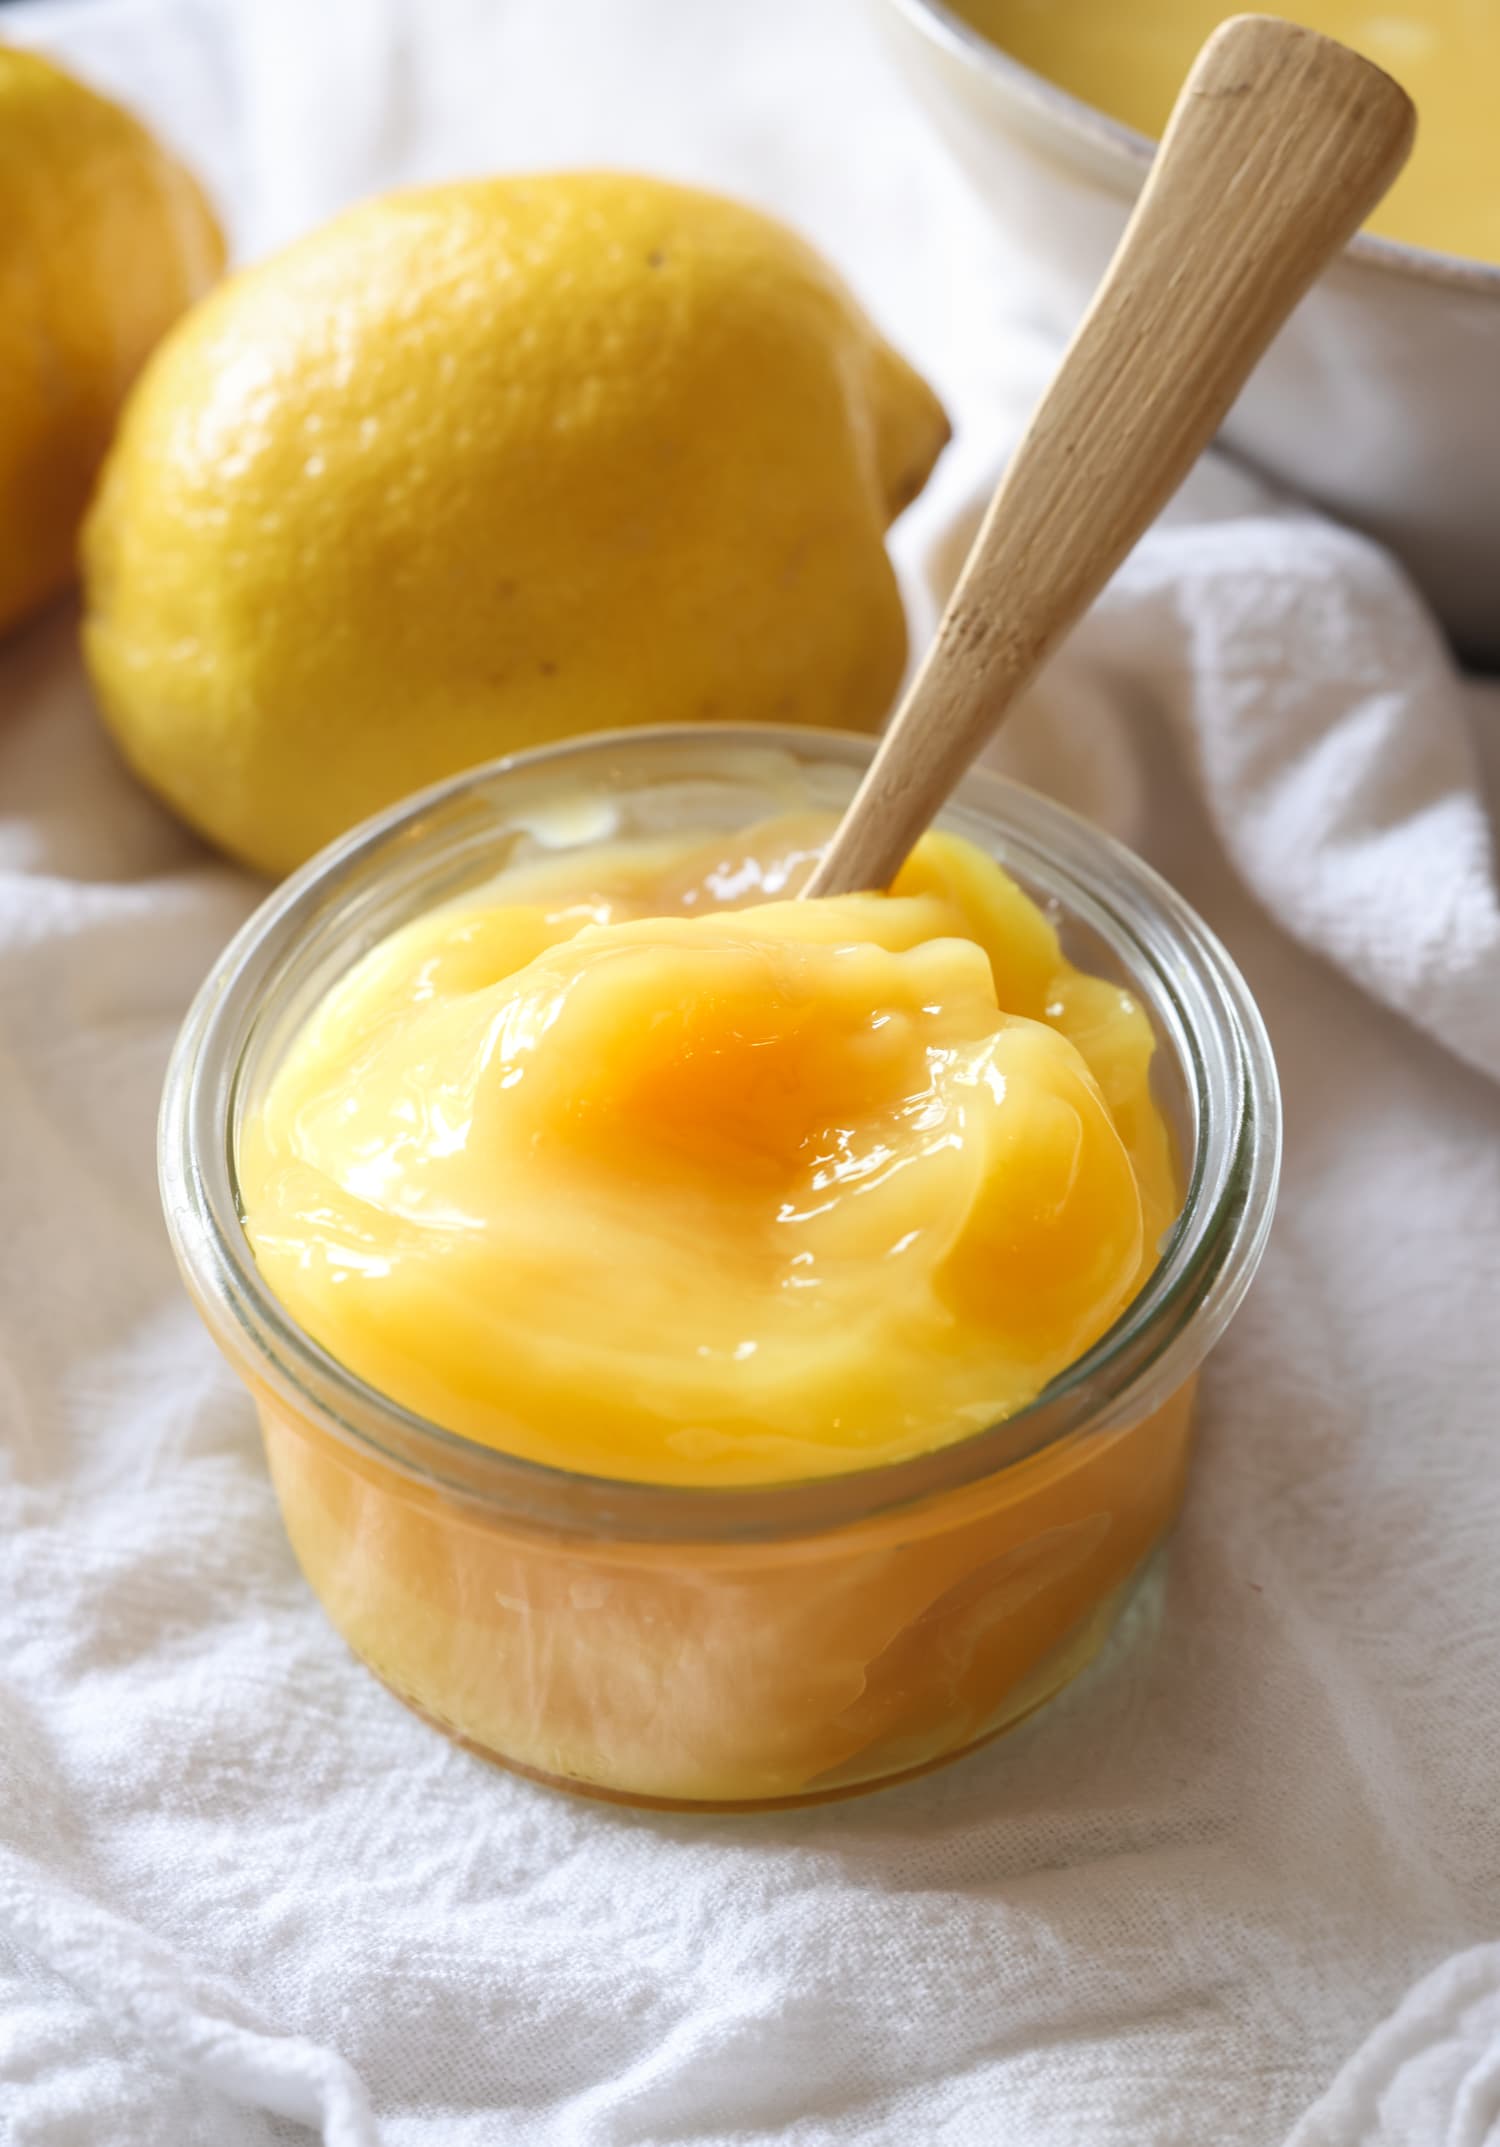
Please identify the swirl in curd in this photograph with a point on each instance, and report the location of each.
(630, 1163)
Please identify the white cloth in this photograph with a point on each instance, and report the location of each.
(243, 1892)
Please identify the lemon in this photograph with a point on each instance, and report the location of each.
(104, 240)
(485, 465)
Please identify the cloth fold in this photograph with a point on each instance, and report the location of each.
(1242, 1883)
(1333, 742)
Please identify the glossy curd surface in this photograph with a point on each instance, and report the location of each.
(1129, 60)
(628, 1163)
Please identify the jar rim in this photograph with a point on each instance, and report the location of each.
(1156, 1344)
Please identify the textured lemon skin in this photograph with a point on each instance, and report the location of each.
(485, 465)
(104, 241)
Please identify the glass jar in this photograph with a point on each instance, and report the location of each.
(726, 1647)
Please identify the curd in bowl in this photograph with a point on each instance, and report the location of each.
(1130, 61)
(1376, 401)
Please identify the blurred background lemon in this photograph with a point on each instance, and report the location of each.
(104, 240)
(485, 465)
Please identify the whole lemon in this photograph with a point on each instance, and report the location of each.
(104, 240)
(484, 465)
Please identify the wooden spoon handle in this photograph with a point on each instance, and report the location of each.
(1279, 145)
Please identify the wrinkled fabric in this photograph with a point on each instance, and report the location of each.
(1242, 1883)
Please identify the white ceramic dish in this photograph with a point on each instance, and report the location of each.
(1380, 400)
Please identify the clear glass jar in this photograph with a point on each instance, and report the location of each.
(726, 1647)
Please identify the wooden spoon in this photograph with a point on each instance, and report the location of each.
(1279, 145)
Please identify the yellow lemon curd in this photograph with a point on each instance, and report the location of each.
(1129, 61)
(631, 1164)
(594, 1167)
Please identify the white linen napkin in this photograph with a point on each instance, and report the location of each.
(1242, 1884)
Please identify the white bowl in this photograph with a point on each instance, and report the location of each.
(1380, 399)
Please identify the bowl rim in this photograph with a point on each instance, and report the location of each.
(1156, 1345)
(1131, 152)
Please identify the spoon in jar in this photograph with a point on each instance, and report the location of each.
(1279, 145)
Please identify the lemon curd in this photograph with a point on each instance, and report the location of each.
(1129, 60)
(630, 1164)
(548, 1111)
